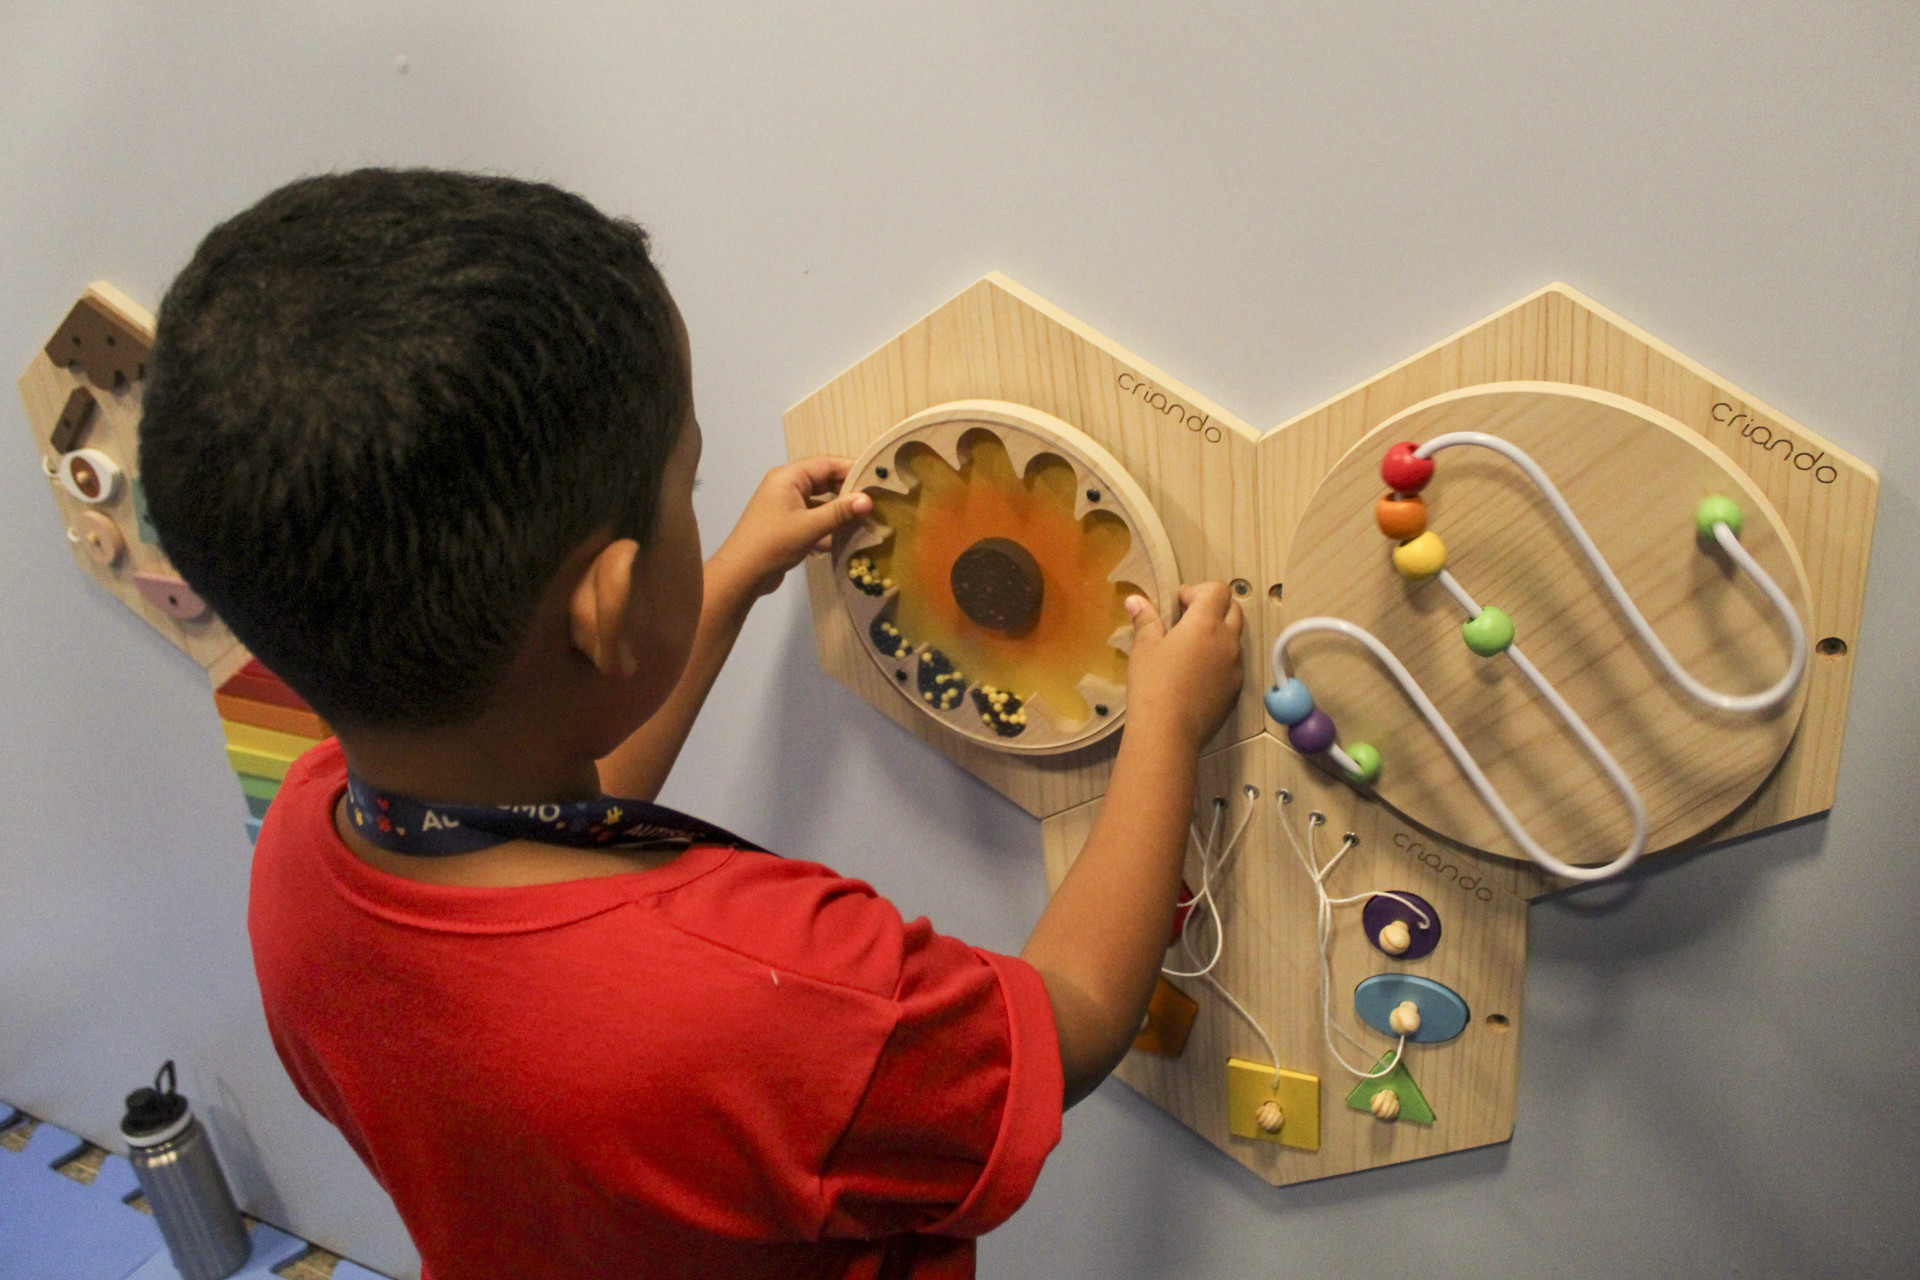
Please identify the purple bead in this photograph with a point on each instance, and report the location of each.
(1313, 735)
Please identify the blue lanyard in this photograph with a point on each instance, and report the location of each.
(401, 824)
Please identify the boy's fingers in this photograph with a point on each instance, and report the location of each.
(822, 471)
(1209, 600)
(1146, 619)
(820, 522)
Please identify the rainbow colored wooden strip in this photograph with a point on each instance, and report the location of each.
(268, 715)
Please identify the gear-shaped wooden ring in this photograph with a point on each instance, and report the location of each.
(990, 581)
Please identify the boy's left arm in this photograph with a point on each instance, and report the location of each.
(775, 533)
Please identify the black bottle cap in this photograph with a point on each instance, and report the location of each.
(154, 1110)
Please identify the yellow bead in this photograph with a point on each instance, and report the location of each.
(1421, 558)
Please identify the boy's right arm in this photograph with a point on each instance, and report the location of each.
(1099, 944)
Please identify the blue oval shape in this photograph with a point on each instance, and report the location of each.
(1443, 1014)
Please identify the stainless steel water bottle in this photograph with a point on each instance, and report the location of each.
(183, 1183)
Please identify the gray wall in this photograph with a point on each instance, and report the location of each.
(1270, 201)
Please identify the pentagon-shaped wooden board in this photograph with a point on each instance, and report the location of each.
(1270, 966)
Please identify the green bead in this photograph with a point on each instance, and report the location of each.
(1366, 759)
(1490, 633)
(1715, 509)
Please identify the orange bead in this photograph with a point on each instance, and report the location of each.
(1401, 516)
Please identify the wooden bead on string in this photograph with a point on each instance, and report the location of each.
(1488, 633)
(1403, 472)
(1405, 1018)
(1421, 558)
(1401, 516)
(1269, 1117)
(1385, 1105)
(1717, 508)
(1396, 938)
(1289, 703)
(1313, 735)
(1366, 761)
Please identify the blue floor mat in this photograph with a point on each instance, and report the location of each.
(53, 1228)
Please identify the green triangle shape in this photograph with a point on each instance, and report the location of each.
(1413, 1103)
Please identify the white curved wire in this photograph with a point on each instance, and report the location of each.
(1469, 766)
(1739, 703)
(1796, 664)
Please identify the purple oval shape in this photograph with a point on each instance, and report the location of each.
(1382, 911)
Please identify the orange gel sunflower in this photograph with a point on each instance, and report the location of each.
(947, 512)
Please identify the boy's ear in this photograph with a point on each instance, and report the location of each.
(597, 610)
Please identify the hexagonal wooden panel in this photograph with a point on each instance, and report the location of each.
(88, 401)
(1821, 499)
(1193, 460)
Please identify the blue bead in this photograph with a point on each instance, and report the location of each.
(1290, 703)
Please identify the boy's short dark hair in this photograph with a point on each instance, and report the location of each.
(385, 405)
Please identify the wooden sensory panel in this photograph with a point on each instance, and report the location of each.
(1192, 460)
(1634, 477)
(1824, 499)
(1270, 964)
(47, 389)
(984, 478)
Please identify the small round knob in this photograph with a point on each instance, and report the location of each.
(1269, 1117)
(1385, 1105)
(90, 476)
(97, 536)
(997, 584)
(1395, 938)
(1405, 1019)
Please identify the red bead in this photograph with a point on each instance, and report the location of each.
(1403, 472)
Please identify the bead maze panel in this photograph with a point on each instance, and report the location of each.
(1819, 497)
(1192, 461)
(1634, 478)
(1270, 965)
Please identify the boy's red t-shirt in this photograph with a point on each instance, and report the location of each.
(732, 1065)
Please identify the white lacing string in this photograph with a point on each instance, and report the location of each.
(1309, 858)
(1211, 870)
(1722, 534)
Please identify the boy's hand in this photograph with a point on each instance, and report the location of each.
(1185, 678)
(779, 527)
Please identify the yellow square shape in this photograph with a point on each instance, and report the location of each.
(1298, 1096)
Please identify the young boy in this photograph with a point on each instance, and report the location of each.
(426, 442)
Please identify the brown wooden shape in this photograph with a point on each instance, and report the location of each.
(75, 417)
(102, 345)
